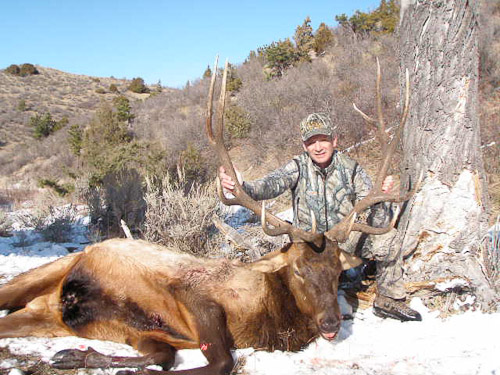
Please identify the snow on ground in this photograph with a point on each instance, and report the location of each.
(462, 344)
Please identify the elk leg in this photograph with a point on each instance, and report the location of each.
(215, 342)
(37, 282)
(156, 353)
(31, 322)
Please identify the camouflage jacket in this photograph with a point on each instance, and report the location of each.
(329, 193)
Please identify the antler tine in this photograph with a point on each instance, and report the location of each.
(240, 196)
(391, 147)
(296, 233)
(208, 121)
(368, 119)
(341, 231)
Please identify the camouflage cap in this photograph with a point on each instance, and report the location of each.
(314, 124)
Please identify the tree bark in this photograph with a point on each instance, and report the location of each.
(441, 228)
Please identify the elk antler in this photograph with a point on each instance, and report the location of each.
(216, 139)
(340, 232)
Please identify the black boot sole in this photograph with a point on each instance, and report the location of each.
(381, 313)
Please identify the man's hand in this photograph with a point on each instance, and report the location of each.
(226, 181)
(388, 184)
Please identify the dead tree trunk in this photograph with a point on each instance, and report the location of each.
(442, 226)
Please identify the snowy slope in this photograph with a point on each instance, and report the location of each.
(463, 344)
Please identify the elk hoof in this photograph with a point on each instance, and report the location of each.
(74, 358)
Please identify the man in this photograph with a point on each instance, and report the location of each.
(328, 183)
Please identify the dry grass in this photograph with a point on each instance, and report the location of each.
(182, 219)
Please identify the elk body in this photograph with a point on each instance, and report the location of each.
(159, 301)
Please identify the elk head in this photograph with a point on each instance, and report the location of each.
(312, 263)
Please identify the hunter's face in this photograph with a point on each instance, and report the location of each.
(320, 148)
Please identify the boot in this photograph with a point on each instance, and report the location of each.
(386, 307)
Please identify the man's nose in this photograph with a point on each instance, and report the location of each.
(317, 146)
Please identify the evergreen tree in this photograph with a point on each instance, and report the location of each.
(382, 20)
(43, 125)
(208, 72)
(75, 139)
(234, 83)
(322, 38)
(279, 56)
(304, 39)
(27, 70)
(123, 109)
(137, 85)
(107, 145)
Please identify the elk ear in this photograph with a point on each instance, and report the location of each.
(349, 261)
(269, 264)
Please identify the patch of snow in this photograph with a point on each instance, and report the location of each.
(452, 284)
(459, 345)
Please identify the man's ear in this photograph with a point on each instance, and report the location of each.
(304, 146)
(334, 141)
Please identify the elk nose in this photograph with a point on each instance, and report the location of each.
(329, 325)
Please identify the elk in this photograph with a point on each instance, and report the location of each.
(159, 300)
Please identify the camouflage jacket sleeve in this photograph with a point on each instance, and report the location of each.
(275, 183)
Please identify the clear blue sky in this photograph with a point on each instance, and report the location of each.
(171, 41)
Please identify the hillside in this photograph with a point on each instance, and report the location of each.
(263, 112)
(63, 95)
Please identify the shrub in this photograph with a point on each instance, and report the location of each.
(23, 70)
(43, 125)
(75, 139)
(13, 69)
(113, 88)
(234, 83)
(59, 224)
(159, 87)
(322, 38)
(181, 220)
(123, 108)
(28, 70)
(62, 123)
(21, 106)
(61, 190)
(137, 85)
(192, 166)
(100, 90)
(120, 196)
(237, 121)
(55, 224)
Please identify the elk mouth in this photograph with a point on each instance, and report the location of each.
(328, 335)
(329, 327)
